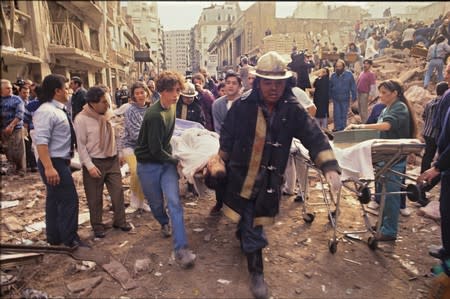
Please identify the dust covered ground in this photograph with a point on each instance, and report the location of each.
(298, 262)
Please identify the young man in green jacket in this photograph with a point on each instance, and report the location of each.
(157, 169)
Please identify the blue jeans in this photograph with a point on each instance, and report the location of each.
(434, 64)
(340, 111)
(391, 210)
(61, 206)
(162, 179)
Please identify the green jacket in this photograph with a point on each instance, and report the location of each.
(153, 145)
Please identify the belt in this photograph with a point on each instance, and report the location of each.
(107, 158)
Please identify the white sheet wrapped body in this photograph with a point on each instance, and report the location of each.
(193, 148)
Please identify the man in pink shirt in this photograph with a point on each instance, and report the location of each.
(366, 88)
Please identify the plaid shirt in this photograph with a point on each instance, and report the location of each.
(12, 107)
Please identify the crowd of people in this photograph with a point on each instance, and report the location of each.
(256, 110)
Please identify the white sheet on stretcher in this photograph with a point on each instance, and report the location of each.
(355, 161)
(193, 147)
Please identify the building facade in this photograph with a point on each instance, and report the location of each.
(176, 50)
(54, 37)
(146, 22)
(212, 21)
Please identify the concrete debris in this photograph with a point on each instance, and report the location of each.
(8, 204)
(29, 293)
(120, 273)
(37, 226)
(85, 284)
(224, 281)
(82, 218)
(431, 210)
(86, 266)
(408, 266)
(32, 203)
(142, 265)
(207, 238)
(13, 224)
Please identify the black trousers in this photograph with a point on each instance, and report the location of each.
(430, 151)
(252, 237)
(444, 201)
(61, 206)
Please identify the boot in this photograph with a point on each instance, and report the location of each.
(258, 286)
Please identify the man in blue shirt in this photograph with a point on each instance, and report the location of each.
(342, 89)
(55, 139)
(12, 109)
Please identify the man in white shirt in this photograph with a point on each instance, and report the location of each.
(55, 139)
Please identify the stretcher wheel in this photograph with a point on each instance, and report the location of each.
(373, 243)
(308, 217)
(364, 198)
(332, 246)
(414, 192)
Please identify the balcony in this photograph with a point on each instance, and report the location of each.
(125, 56)
(67, 40)
(89, 9)
(21, 20)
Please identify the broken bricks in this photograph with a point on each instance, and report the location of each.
(84, 286)
(120, 273)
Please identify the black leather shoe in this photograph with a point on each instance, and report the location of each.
(439, 253)
(100, 234)
(77, 243)
(125, 228)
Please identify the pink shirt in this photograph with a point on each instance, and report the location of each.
(365, 80)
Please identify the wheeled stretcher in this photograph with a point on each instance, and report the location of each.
(357, 178)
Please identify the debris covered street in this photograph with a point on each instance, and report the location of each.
(298, 252)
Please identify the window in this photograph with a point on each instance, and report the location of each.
(218, 17)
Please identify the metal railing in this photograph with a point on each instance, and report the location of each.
(69, 35)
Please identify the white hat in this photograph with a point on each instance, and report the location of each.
(189, 90)
(272, 66)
